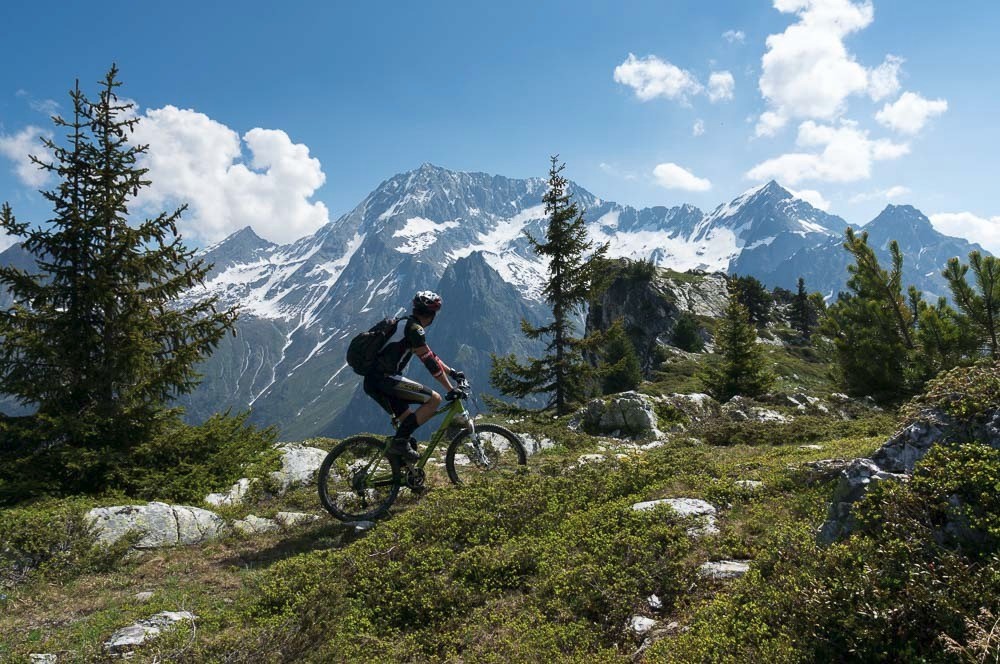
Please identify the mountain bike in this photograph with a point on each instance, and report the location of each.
(359, 480)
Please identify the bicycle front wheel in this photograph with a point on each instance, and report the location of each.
(491, 451)
(357, 480)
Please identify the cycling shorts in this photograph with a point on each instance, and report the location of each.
(395, 393)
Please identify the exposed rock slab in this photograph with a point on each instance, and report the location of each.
(253, 525)
(138, 633)
(234, 496)
(702, 511)
(628, 412)
(720, 570)
(160, 523)
(299, 464)
(293, 519)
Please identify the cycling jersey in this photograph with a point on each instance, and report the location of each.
(396, 354)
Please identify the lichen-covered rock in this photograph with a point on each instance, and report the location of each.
(641, 624)
(703, 512)
(127, 638)
(855, 481)
(696, 407)
(253, 525)
(234, 496)
(533, 445)
(720, 570)
(628, 412)
(742, 409)
(293, 519)
(160, 523)
(299, 464)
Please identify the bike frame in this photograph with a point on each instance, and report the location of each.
(450, 411)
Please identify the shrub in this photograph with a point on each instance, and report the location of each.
(802, 430)
(687, 334)
(184, 463)
(52, 539)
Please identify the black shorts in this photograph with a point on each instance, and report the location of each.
(395, 393)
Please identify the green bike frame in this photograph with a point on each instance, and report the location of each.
(452, 410)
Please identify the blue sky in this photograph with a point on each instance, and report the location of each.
(285, 116)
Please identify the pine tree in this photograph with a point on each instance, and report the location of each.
(739, 366)
(687, 334)
(872, 323)
(944, 339)
(754, 297)
(619, 368)
(802, 314)
(97, 341)
(574, 268)
(982, 308)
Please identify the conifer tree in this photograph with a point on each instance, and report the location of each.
(802, 314)
(754, 297)
(96, 340)
(872, 324)
(619, 368)
(982, 308)
(739, 366)
(574, 268)
(687, 334)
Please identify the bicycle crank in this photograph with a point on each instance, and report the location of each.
(415, 479)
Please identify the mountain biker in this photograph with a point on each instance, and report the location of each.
(394, 393)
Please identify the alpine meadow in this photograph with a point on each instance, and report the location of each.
(275, 386)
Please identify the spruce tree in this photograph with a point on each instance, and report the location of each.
(687, 334)
(739, 366)
(982, 308)
(754, 297)
(574, 267)
(96, 340)
(801, 314)
(619, 368)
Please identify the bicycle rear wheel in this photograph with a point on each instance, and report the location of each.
(357, 480)
(492, 451)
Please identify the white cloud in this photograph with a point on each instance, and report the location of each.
(20, 146)
(196, 160)
(769, 123)
(720, 86)
(846, 155)
(813, 198)
(883, 81)
(807, 71)
(734, 36)
(910, 113)
(673, 176)
(614, 171)
(652, 77)
(892, 193)
(46, 106)
(699, 127)
(985, 231)
(5, 241)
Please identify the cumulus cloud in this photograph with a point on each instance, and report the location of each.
(883, 81)
(46, 106)
(196, 160)
(807, 71)
(909, 113)
(720, 86)
(769, 123)
(20, 146)
(734, 36)
(652, 77)
(614, 171)
(892, 193)
(672, 176)
(985, 231)
(843, 153)
(813, 198)
(699, 127)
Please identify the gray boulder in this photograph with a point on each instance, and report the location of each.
(721, 570)
(855, 480)
(533, 445)
(299, 464)
(160, 523)
(294, 519)
(628, 412)
(253, 525)
(696, 407)
(234, 496)
(128, 638)
(702, 512)
(742, 409)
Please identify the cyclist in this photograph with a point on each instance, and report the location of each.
(395, 393)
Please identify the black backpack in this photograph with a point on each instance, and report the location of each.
(362, 352)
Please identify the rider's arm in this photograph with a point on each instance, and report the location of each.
(433, 365)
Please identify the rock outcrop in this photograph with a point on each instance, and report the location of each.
(160, 524)
(299, 464)
(702, 512)
(128, 638)
(627, 413)
(650, 308)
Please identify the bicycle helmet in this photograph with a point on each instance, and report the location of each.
(426, 303)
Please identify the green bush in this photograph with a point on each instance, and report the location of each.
(184, 463)
(897, 590)
(963, 392)
(687, 334)
(804, 429)
(51, 539)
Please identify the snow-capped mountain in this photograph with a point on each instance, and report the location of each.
(463, 234)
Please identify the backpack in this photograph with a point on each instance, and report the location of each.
(362, 352)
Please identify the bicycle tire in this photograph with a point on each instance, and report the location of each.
(505, 453)
(340, 491)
